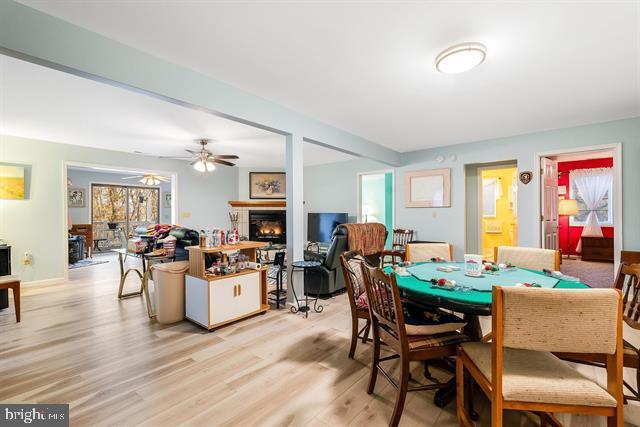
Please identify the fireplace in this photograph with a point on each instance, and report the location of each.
(268, 226)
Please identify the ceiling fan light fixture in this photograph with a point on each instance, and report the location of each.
(461, 57)
(210, 166)
(200, 166)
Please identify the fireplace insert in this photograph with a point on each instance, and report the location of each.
(268, 226)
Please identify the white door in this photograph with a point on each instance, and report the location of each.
(549, 205)
(234, 297)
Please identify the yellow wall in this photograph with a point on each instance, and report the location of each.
(504, 213)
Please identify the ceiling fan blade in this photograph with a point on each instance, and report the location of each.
(226, 156)
(223, 162)
(162, 178)
(132, 177)
(175, 157)
(191, 151)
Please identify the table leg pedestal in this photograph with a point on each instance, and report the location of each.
(123, 276)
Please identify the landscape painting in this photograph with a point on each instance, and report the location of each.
(11, 182)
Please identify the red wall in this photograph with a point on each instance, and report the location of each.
(563, 180)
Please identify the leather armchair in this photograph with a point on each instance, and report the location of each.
(328, 278)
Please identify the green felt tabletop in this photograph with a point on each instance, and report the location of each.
(414, 285)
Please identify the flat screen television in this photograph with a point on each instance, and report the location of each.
(320, 226)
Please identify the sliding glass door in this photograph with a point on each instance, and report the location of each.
(122, 207)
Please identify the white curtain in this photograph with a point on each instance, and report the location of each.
(592, 185)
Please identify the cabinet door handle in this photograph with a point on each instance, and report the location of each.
(235, 290)
(239, 290)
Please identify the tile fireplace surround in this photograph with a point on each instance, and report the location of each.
(243, 208)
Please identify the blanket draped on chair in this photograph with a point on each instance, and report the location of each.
(367, 238)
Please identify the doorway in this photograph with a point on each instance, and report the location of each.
(375, 191)
(580, 210)
(498, 209)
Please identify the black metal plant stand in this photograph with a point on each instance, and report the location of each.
(304, 265)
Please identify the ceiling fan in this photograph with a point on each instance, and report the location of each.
(204, 160)
(149, 178)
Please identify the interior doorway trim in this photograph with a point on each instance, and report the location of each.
(616, 148)
(65, 208)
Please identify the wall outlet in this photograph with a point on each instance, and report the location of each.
(28, 258)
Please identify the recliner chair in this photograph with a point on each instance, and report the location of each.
(328, 278)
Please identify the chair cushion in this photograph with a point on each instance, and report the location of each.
(419, 342)
(540, 377)
(357, 278)
(421, 322)
(362, 303)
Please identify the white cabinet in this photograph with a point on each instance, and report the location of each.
(215, 302)
(233, 297)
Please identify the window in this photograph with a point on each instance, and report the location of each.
(604, 211)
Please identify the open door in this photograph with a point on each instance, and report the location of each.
(549, 205)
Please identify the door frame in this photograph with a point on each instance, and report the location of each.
(393, 198)
(480, 200)
(616, 148)
(65, 208)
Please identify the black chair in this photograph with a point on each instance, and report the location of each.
(281, 268)
(327, 279)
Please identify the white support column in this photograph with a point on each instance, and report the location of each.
(295, 210)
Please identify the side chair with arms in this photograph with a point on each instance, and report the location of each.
(518, 371)
(422, 252)
(388, 325)
(354, 282)
(399, 240)
(628, 282)
(532, 258)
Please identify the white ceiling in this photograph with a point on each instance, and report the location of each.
(367, 67)
(41, 103)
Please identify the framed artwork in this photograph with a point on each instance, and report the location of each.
(166, 200)
(428, 189)
(76, 197)
(267, 185)
(11, 182)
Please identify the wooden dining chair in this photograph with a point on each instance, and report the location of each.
(532, 258)
(388, 326)
(399, 239)
(628, 282)
(351, 263)
(424, 252)
(517, 370)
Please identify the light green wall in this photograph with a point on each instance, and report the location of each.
(37, 224)
(448, 224)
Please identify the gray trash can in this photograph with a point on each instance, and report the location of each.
(168, 281)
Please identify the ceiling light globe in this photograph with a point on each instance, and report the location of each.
(199, 166)
(210, 166)
(461, 57)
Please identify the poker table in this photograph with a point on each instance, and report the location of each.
(471, 301)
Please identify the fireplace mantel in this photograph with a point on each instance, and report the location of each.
(258, 203)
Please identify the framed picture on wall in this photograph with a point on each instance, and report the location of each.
(166, 200)
(267, 185)
(11, 182)
(76, 197)
(428, 188)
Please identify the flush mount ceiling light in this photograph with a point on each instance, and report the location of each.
(461, 57)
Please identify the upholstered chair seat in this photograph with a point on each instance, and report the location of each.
(538, 376)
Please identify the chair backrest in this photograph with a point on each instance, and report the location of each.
(628, 281)
(532, 258)
(351, 263)
(557, 320)
(630, 257)
(278, 259)
(385, 306)
(85, 230)
(401, 237)
(422, 252)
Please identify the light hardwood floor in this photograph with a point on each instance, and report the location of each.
(79, 344)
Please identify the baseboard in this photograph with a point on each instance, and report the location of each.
(43, 282)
